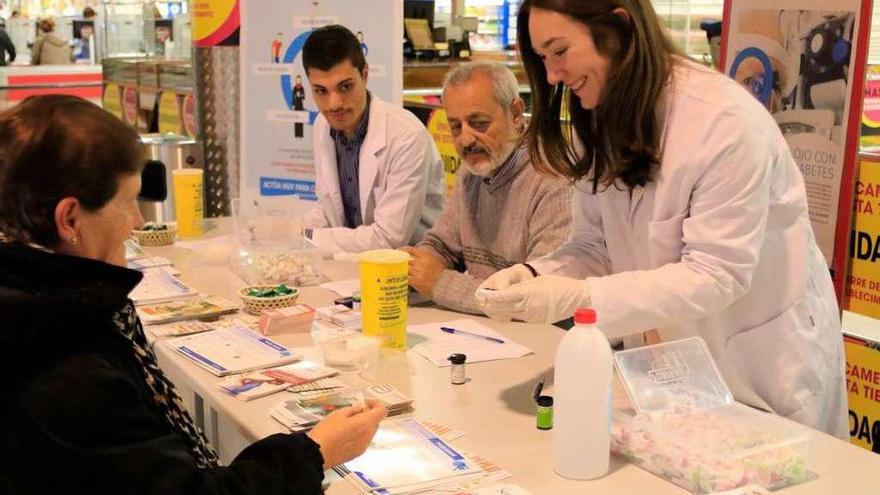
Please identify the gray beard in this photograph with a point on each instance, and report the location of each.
(496, 160)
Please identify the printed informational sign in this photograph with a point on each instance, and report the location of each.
(438, 126)
(871, 109)
(112, 100)
(804, 60)
(863, 280)
(214, 22)
(863, 387)
(277, 107)
(169, 112)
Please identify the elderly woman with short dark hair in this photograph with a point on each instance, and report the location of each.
(86, 409)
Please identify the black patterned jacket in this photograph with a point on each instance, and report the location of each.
(77, 415)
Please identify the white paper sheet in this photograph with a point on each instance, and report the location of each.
(160, 285)
(439, 345)
(405, 455)
(345, 288)
(232, 350)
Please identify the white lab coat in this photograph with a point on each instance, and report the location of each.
(719, 246)
(400, 181)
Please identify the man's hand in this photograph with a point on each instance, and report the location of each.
(424, 270)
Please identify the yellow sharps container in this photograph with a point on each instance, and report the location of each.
(189, 201)
(384, 287)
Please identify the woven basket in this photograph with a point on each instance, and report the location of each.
(255, 305)
(155, 237)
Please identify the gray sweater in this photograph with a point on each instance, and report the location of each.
(488, 225)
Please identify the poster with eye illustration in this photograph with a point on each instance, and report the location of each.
(804, 61)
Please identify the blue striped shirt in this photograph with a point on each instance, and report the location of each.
(347, 165)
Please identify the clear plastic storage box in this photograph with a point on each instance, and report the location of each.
(271, 249)
(687, 429)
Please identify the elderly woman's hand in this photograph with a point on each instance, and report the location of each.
(346, 433)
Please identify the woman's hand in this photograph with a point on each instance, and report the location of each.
(346, 433)
(503, 279)
(544, 299)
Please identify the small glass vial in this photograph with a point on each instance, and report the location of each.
(457, 376)
(544, 412)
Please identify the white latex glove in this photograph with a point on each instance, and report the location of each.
(545, 299)
(503, 279)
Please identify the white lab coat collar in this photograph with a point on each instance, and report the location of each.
(374, 143)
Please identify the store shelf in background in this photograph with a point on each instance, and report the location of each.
(421, 75)
(491, 31)
(137, 88)
(18, 82)
(682, 20)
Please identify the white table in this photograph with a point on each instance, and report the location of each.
(494, 408)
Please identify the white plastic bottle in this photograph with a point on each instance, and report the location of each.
(582, 401)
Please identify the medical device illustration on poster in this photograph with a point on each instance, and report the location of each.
(804, 61)
(277, 107)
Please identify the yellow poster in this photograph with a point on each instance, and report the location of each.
(213, 21)
(863, 283)
(169, 113)
(870, 135)
(112, 100)
(438, 126)
(863, 387)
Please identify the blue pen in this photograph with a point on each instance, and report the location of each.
(471, 334)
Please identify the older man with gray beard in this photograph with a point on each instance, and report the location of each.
(502, 211)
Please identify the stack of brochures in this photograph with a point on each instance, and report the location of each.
(256, 384)
(299, 414)
(341, 316)
(177, 329)
(406, 457)
(148, 262)
(187, 327)
(201, 307)
(236, 349)
(292, 319)
(321, 386)
(160, 285)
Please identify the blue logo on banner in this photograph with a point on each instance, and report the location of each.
(305, 189)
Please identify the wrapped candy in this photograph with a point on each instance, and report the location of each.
(710, 450)
(276, 266)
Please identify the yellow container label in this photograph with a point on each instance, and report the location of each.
(189, 201)
(384, 287)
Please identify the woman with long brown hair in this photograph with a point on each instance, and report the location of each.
(689, 212)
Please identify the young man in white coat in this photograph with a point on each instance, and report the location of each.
(378, 175)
